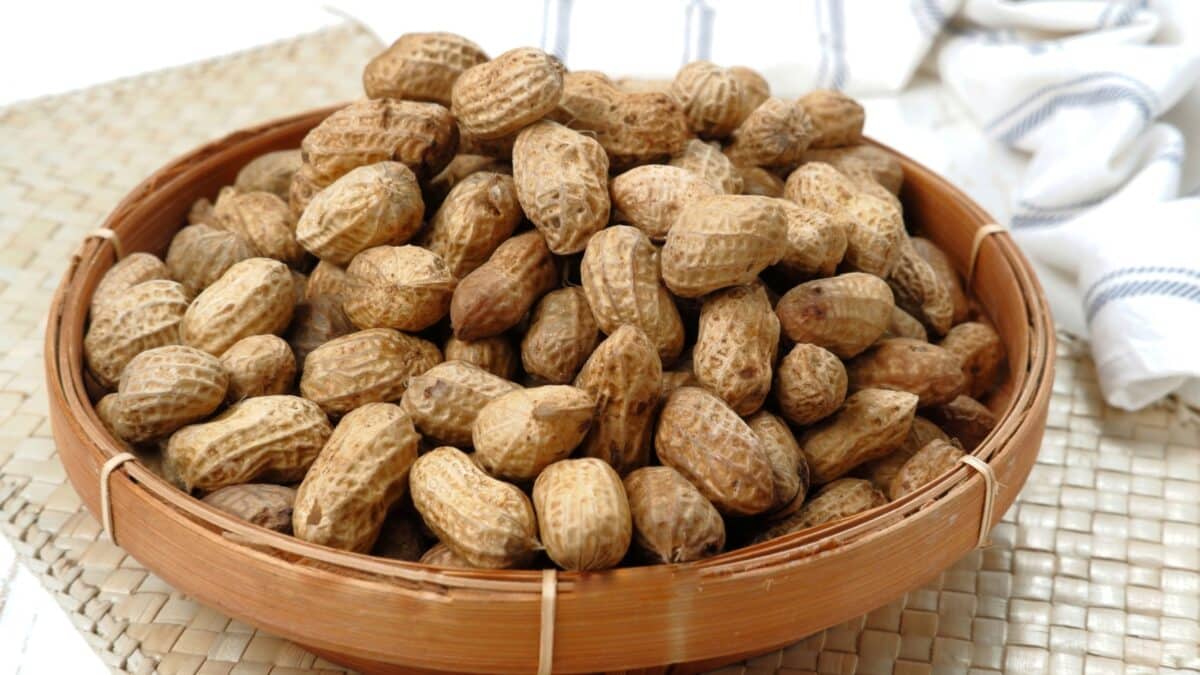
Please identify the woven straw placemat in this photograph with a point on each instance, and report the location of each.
(1095, 569)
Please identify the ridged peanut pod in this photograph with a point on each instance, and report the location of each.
(980, 353)
(861, 163)
(844, 314)
(421, 67)
(624, 375)
(650, 197)
(562, 334)
(128, 272)
(422, 136)
(200, 254)
(837, 117)
(811, 384)
(326, 279)
(931, 461)
(165, 388)
(722, 241)
(315, 322)
(903, 324)
(621, 280)
(444, 400)
(919, 290)
(964, 419)
(442, 555)
(478, 214)
(509, 92)
(265, 221)
(262, 504)
(253, 297)
(901, 364)
(583, 514)
(364, 367)
(755, 88)
(304, 186)
(840, 499)
(708, 162)
(496, 296)
(271, 439)
(259, 365)
(881, 471)
(359, 474)
(269, 172)
(562, 184)
(871, 423)
(520, 433)
(370, 206)
(434, 190)
(776, 133)
(499, 149)
(816, 242)
(736, 345)
(705, 441)
(142, 317)
(486, 522)
(672, 521)
(758, 181)
(944, 268)
(403, 287)
(496, 354)
(785, 457)
(711, 97)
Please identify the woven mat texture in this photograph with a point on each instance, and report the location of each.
(1096, 568)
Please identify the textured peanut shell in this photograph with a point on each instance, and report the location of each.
(265, 221)
(434, 190)
(902, 324)
(370, 206)
(881, 471)
(128, 272)
(838, 119)
(365, 367)
(758, 181)
(705, 441)
(444, 400)
(201, 212)
(711, 97)
(270, 172)
(672, 521)
(421, 67)
(965, 420)
(784, 456)
(304, 186)
(650, 197)
(142, 317)
(442, 555)
(253, 297)
(919, 290)
(262, 504)
(562, 184)
(811, 384)
(271, 439)
(327, 279)
(755, 89)
(499, 149)
(620, 273)
(583, 514)
(862, 162)
(871, 423)
(816, 242)
(722, 241)
(944, 268)
(562, 334)
(844, 314)
(478, 214)
(624, 376)
(486, 522)
(496, 296)
(931, 461)
(979, 352)
(422, 136)
(494, 354)
(840, 499)
(165, 388)
(401, 537)
(403, 287)
(259, 365)
(776, 133)
(708, 162)
(200, 254)
(315, 322)
(903, 364)
(507, 93)
(359, 474)
(518, 434)
(736, 345)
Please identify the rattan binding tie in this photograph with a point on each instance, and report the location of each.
(112, 237)
(991, 485)
(106, 496)
(980, 234)
(546, 639)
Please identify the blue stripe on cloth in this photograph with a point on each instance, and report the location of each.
(823, 40)
(556, 27)
(1132, 271)
(1094, 97)
(697, 22)
(928, 14)
(1162, 288)
(837, 22)
(1146, 92)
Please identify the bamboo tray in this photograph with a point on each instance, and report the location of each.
(383, 615)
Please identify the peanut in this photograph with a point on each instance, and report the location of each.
(445, 400)
(776, 133)
(434, 191)
(327, 279)
(758, 181)
(862, 163)
(478, 214)
(943, 267)
(902, 324)
(816, 242)
(624, 376)
(650, 197)
(165, 388)
(672, 521)
(200, 254)
(562, 184)
(901, 364)
(442, 556)
(518, 434)
(509, 92)
(128, 272)
(838, 118)
(259, 365)
(141, 317)
(736, 345)
(844, 314)
(304, 186)
(881, 471)
(262, 504)
(365, 367)
(270, 172)
(722, 241)
(583, 514)
(931, 461)
(711, 97)
(708, 162)
(401, 537)
(421, 67)
(965, 420)
(265, 221)
(403, 287)
(919, 291)
(979, 352)
(561, 336)
(811, 384)
(496, 296)
(785, 458)
(315, 322)
(495, 354)
(253, 297)
(871, 423)
(840, 499)
(422, 136)
(755, 89)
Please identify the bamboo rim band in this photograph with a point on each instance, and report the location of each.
(980, 234)
(546, 639)
(106, 496)
(112, 237)
(991, 486)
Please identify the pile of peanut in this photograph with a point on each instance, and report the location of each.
(539, 317)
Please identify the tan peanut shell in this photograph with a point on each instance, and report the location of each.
(108, 409)
(711, 97)
(620, 274)
(881, 471)
(811, 384)
(421, 67)
(265, 221)
(624, 376)
(736, 345)
(837, 117)
(758, 181)
(259, 365)
(271, 439)
(494, 354)
(919, 291)
(931, 461)
(518, 434)
(442, 555)
(200, 254)
(262, 504)
(944, 268)
(364, 367)
(253, 297)
(965, 420)
(142, 317)
(636, 85)
(708, 162)
(496, 296)
(902, 364)
(583, 514)
(315, 322)
(562, 184)
(562, 334)
(201, 212)
(370, 206)
(776, 133)
(327, 279)
(486, 522)
(499, 149)
(784, 456)
(844, 314)
(444, 400)
(509, 92)
(478, 214)
(401, 537)
(979, 352)
(722, 241)
(840, 499)
(128, 272)
(650, 197)
(871, 423)
(862, 162)
(633, 128)
(816, 242)
(434, 190)
(903, 324)
(422, 136)
(165, 388)
(304, 186)
(672, 521)
(755, 89)
(359, 474)
(403, 287)
(299, 287)
(270, 172)
(704, 440)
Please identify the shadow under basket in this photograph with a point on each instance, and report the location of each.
(381, 615)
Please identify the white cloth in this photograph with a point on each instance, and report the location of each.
(1081, 115)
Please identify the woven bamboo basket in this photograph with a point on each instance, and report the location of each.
(382, 615)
